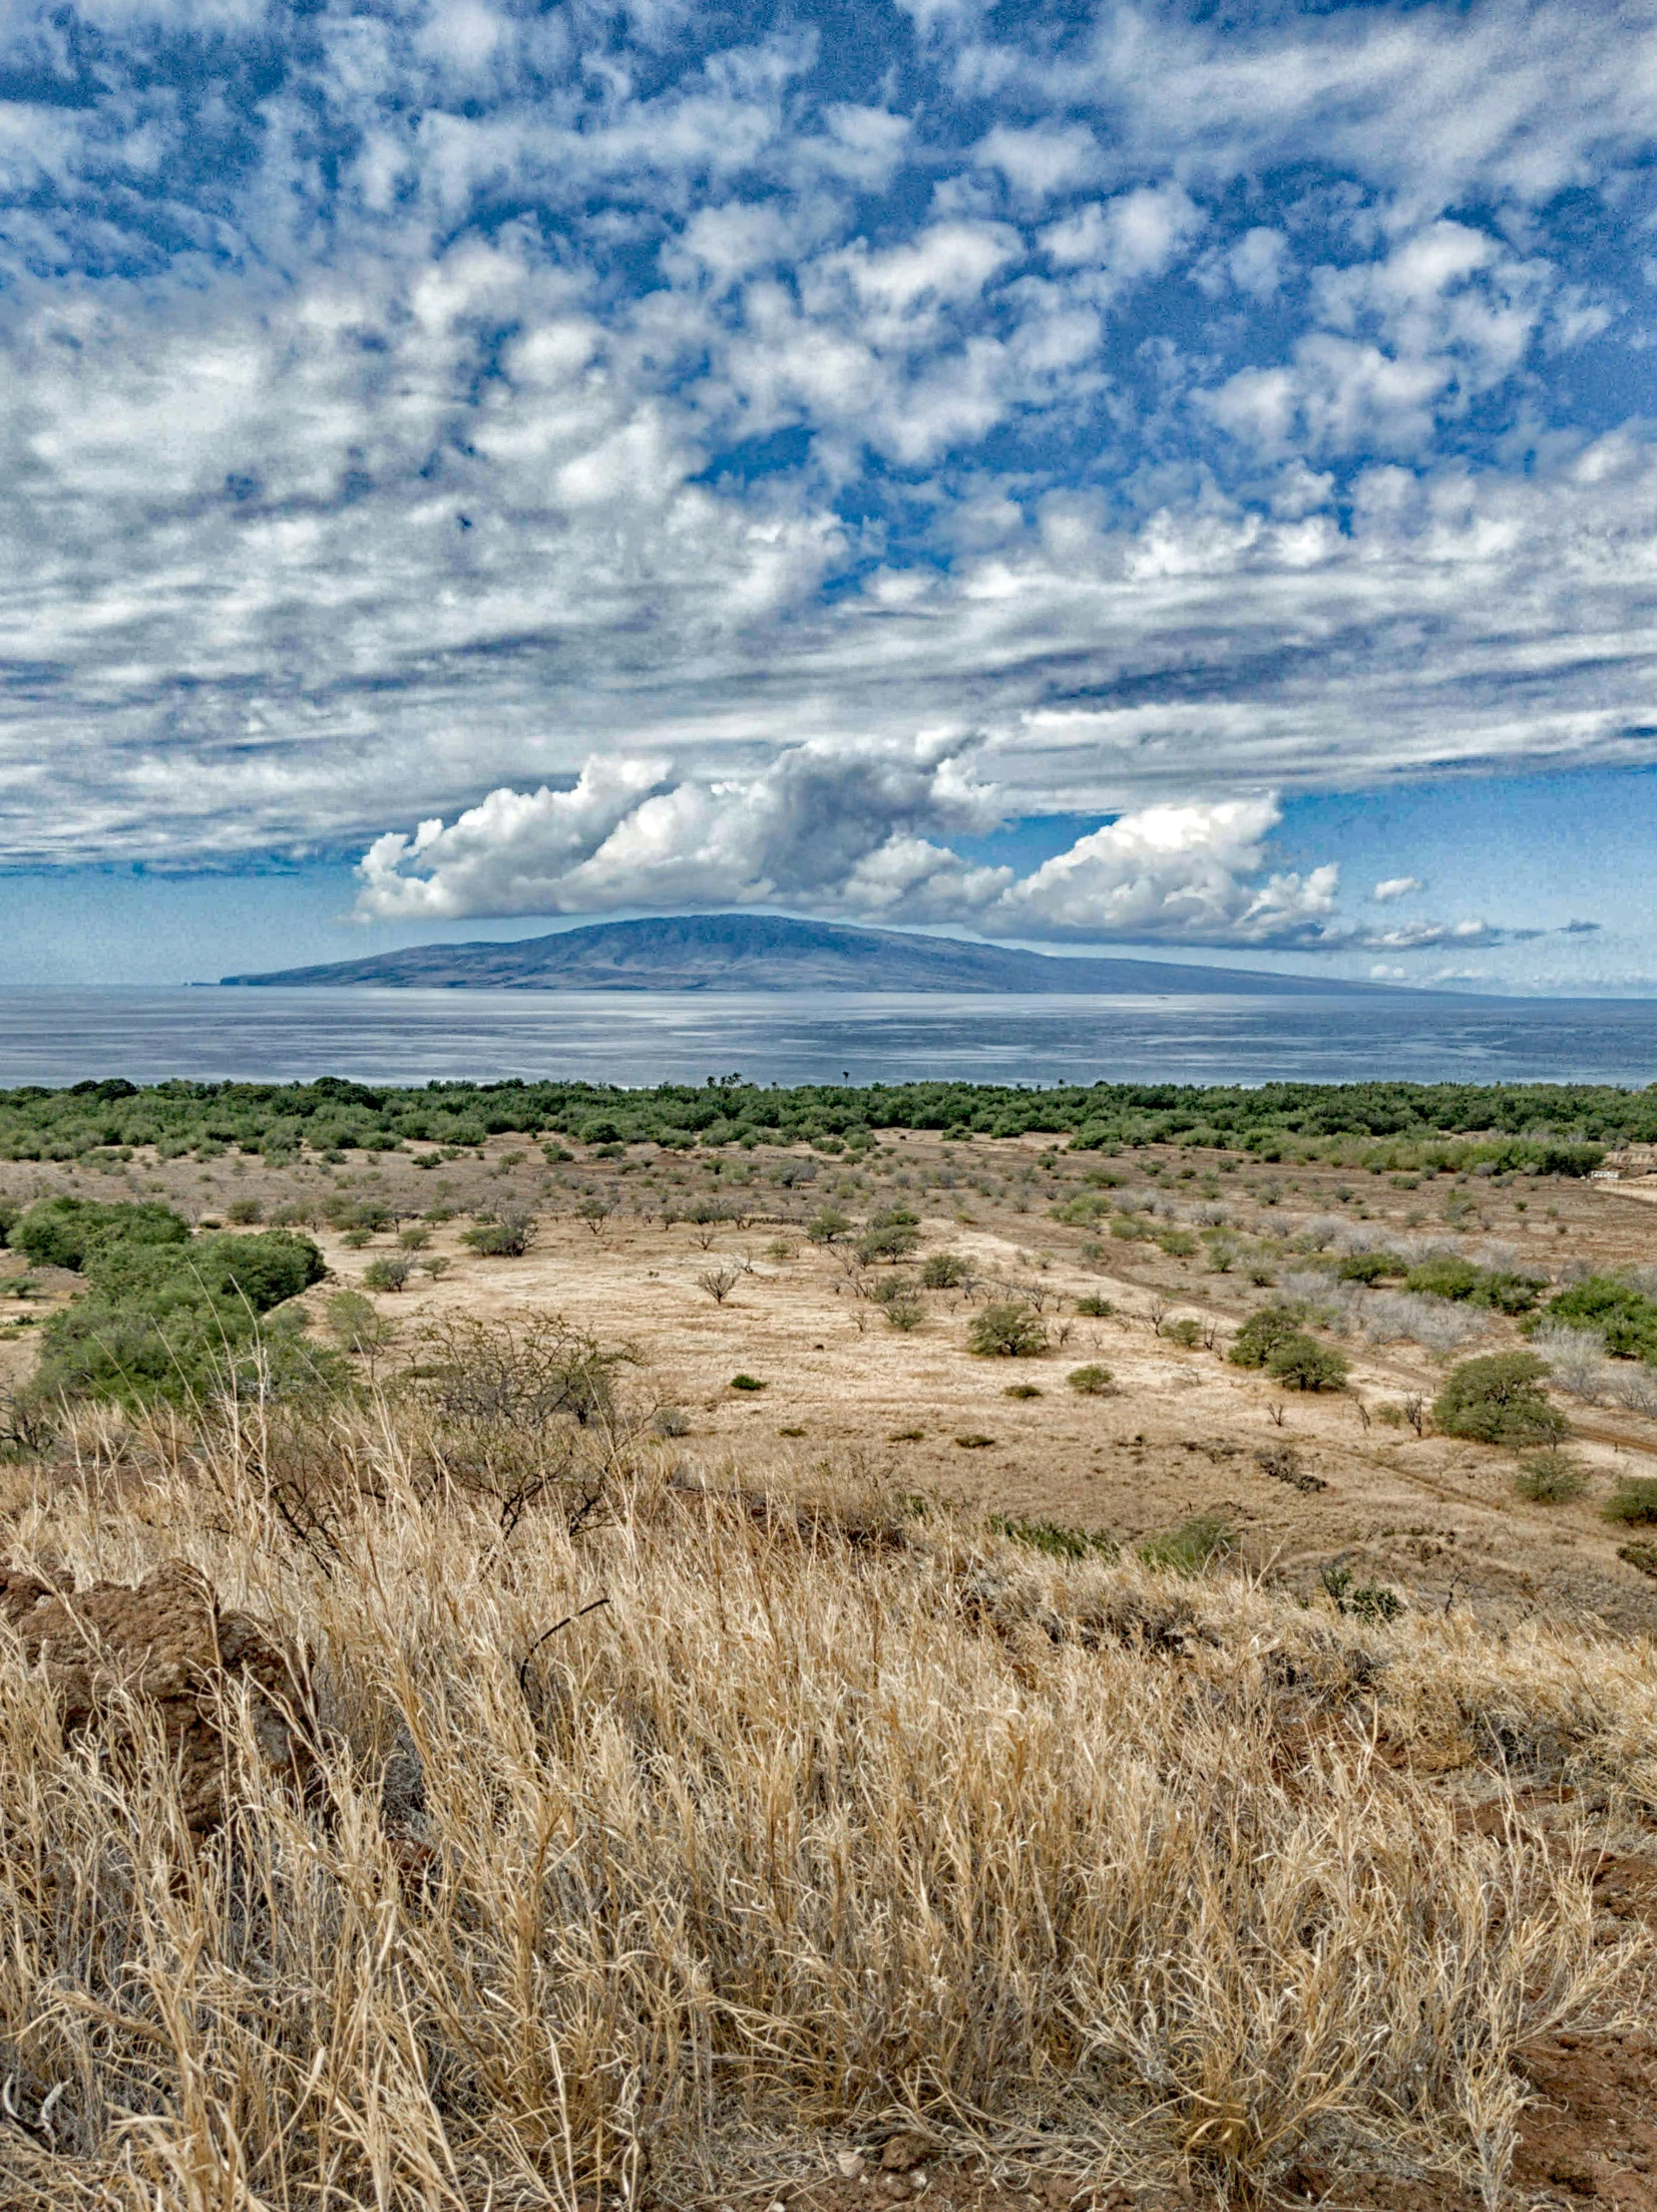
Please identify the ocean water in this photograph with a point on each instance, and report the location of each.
(638, 1037)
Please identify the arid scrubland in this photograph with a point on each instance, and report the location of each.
(1202, 1791)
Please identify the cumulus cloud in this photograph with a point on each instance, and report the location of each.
(855, 834)
(1396, 887)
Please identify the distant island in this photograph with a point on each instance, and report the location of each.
(766, 952)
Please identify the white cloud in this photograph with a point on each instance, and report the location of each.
(846, 834)
(1435, 106)
(346, 493)
(1041, 161)
(1258, 261)
(1396, 887)
(1136, 236)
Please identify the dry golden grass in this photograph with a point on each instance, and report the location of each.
(824, 1814)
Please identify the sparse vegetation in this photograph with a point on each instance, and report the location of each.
(1372, 1603)
(710, 1667)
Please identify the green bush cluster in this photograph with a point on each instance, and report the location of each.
(67, 1232)
(1624, 1317)
(180, 1320)
(1372, 1267)
(1420, 1128)
(1447, 1277)
(1501, 1399)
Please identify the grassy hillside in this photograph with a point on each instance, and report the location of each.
(661, 1833)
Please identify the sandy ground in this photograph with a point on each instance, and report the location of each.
(1178, 1438)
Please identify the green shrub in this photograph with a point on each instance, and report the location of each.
(1549, 1478)
(369, 1214)
(1023, 1391)
(1056, 1541)
(507, 1235)
(388, 1273)
(183, 1323)
(943, 1271)
(1624, 1317)
(1191, 1548)
(1634, 1501)
(747, 1382)
(1371, 1267)
(1082, 1211)
(1451, 1278)
(1092, 1382)
(828, 1223)
(241, 1212)
(1445, 1276)
(887, 1240)
(1006, 1330)
(66, 1231)
(1186, 1331)
(1095, 1308)
(1499, 1399)
(1300, 1362)
(903, 1314)
(1253, 1342)
(1371, 1602)
(356, 1324)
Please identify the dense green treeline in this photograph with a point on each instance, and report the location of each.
(1544, 1128)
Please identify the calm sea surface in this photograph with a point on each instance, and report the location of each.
(636, 1037)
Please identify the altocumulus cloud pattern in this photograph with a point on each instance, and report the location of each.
(582, 458)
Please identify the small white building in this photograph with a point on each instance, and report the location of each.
(1626, 1160)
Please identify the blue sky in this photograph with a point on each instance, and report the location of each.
(1180, 477)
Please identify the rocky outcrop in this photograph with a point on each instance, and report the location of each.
(167, 1643)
